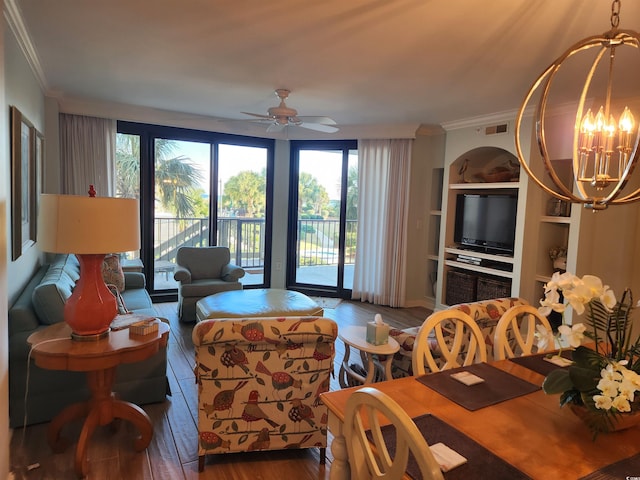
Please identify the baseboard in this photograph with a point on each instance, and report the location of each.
(428, 303)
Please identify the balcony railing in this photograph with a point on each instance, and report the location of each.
(317, 239)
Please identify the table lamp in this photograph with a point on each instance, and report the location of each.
(89, 227)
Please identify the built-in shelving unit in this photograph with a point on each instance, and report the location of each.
(596, 243)
(469, 174)
(435, 220)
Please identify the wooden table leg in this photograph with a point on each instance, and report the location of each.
(344, 367)
(70, 413)
(340, 466)
(137, 416)
(102, 409)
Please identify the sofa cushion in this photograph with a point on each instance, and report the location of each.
(112, 273)
(71, 266)
(50, 296)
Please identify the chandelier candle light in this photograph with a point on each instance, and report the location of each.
(605, 148)
(89, 227)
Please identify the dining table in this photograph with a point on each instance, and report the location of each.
(529, 430)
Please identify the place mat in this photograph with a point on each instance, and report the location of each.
(481, 463)
(627, 468)
(538, 364)
(497, 387)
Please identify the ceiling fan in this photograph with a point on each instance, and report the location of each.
(282, 116)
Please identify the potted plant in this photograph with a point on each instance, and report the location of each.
(601, 383)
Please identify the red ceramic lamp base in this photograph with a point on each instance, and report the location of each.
(91, 307)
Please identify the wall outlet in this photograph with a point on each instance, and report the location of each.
(277, 266)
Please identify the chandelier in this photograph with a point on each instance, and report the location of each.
(605, 132)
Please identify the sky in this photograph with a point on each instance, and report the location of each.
(324, 166)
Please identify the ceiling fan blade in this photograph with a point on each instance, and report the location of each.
(319, 127)
(275, 127)
(323, 120)
(268, 117)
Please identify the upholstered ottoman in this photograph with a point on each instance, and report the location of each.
(261, 302)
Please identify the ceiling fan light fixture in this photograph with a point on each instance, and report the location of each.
(605, 145)
(284, 116)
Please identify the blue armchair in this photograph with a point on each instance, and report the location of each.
(203, 271)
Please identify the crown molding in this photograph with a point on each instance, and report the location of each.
(481, 120)
(14, 19)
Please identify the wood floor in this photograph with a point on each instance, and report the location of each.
(173, 452)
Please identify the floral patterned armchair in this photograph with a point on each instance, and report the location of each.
(486, 313)
(259, 382)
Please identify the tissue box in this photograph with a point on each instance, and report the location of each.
(143, 327)
(377, 333)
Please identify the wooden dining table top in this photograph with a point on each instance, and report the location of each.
(531, 432)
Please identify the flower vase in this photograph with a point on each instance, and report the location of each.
(619, 422)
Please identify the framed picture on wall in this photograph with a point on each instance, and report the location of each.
(24, 181)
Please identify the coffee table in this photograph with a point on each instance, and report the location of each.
(370, 354)
(53, 349)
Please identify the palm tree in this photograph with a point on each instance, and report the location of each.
(175, 177)
(175, 180)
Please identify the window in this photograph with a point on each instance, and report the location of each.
(197, 188)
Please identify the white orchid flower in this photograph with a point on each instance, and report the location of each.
(608, 387)
(621, 404)
(545, 337)
(627, 389)
(566, 280)
(612, 372)
(573, 335)
(608, 299)
(602, 402)
(551, 302)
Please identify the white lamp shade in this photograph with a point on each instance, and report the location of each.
(88, 225)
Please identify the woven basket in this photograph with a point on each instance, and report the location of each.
(490, 288)
(461, 287)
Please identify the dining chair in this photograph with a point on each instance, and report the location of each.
(515, 333)
(370, 458)
(447, 339)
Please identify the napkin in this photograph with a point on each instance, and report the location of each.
(558, 360)
(446, 457)
(467, 378)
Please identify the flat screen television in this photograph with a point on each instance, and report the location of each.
(486, 222)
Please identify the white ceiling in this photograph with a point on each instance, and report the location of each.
(370, 64)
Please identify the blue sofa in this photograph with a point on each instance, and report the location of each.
(41, 304)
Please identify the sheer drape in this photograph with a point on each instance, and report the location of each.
(383, 189)
(87, 154)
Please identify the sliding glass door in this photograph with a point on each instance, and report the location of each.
(242, 208)
(197, 189)
(323, 226)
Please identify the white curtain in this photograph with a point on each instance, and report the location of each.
(383, 193)
(87, 154)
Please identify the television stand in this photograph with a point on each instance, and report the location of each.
(493, 264)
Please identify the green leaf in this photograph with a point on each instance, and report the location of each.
(584, 379)
(585, 357)
(558, 381)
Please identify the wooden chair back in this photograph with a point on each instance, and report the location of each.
(515, 334)
(447, 339)
(370, 458)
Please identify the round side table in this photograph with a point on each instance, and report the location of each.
(53, 349)
(355, 336)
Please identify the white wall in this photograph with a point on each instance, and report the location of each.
(19, 87)
(5, 436)
(22, 90)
